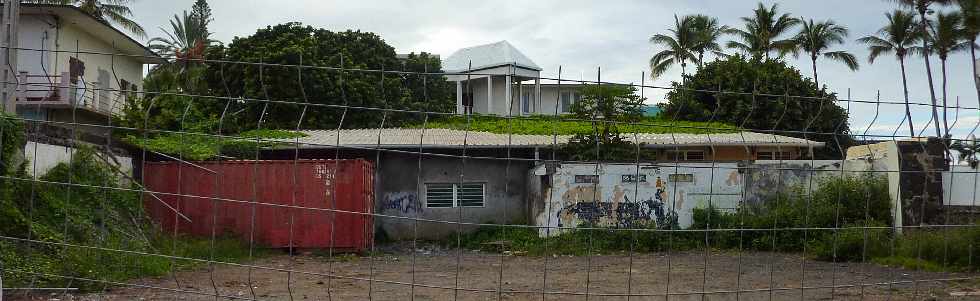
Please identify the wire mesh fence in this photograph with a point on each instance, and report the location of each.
(222, 179)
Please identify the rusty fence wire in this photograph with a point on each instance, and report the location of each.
(198, 187)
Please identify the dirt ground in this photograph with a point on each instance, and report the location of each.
(491, 276)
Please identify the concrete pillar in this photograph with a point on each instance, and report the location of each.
(8, 38)
(489, 94)
(537, 95)
(508, 94)
(520, 97)
(459, 97)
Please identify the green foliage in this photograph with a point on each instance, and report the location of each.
(607, 106)
(293, 43)
(11, 142)
(194, 146)
(813, 109)
(569, 125)
(75, 226)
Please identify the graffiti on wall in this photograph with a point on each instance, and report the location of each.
(620, 212)
(404, 202)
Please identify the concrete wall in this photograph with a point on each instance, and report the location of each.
(118, 67)
(43, 157)
(663, 193)
(400, 193)
(961, 186)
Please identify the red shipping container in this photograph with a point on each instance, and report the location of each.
(304, 203)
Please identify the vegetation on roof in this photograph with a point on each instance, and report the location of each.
(567, 125)
(196, 146)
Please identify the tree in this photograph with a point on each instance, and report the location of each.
(680, 46)
(898, 36)
(185, 43)
(816, 38)
(110, 11)
(947, 37)
(338, 95)
(608, 106)
(707, 31)
(922, 7)
(971, 29)
(762, 30)
(749, 84)
(201, 12)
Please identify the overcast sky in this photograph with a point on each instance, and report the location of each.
(581, 36)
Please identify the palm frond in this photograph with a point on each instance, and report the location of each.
(848, 59)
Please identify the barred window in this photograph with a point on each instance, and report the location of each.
(449, 195)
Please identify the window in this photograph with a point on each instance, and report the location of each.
(526, 102)
(449, 195)
(695, 155)
(586, 179)
(774, 156)
(692, 155)
(566, 102)
(632, 178)
(76, 69)
(679, 177)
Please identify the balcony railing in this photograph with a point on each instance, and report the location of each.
(58, 91)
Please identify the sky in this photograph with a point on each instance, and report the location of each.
(583, 36)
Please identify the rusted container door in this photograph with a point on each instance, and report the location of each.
(306, 204)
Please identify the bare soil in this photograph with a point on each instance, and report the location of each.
(490, 276)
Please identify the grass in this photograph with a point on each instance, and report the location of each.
(548, 125)
(859, 206)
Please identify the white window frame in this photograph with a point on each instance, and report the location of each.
(456, 189)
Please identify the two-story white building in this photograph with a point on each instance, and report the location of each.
(74, 67)
(498, 79)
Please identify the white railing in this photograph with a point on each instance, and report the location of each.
(58, 91)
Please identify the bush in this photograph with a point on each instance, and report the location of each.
(88, 229)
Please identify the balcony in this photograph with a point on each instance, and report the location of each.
(60, 92)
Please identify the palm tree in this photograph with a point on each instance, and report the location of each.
(971, 29)
(898, 36)
(113, 11)
(947, 37)
(707, 31)
(762, 32)
(816, 38)
(922, 7)
(186, 43)
(186, 40)
(680, 45)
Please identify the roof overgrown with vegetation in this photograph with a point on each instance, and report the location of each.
(549, 125)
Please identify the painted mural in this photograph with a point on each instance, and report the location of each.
(628, 196)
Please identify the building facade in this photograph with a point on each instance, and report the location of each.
(73, 67)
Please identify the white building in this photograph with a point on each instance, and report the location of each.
(515, 87)
(71, 60)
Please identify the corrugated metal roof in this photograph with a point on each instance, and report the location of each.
(486, 56)
(450, 138)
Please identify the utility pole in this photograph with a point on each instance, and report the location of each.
(10, 19)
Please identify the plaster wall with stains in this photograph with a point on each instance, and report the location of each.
(634, 196)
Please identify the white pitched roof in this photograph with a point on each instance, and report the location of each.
(487, 56)
(450, 138)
